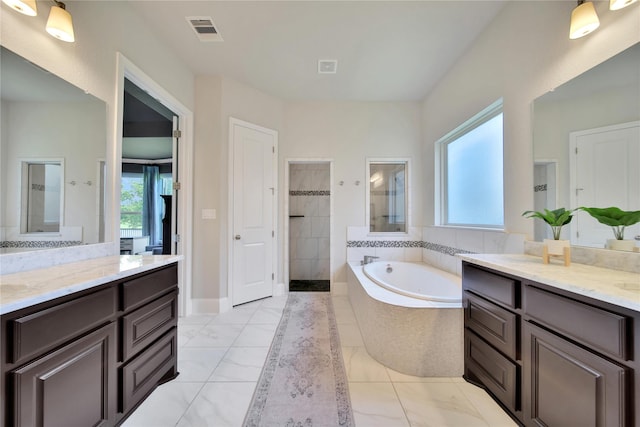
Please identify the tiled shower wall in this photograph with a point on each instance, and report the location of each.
(309, 221)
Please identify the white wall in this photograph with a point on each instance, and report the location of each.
(524, 53)
(218, 99)
(348, 133)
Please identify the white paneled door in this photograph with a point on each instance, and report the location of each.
(254, 198)
(604, 173)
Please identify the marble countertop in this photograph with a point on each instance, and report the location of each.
(620, 288)
(24, 289)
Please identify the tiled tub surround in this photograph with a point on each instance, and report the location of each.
(436, 246)
(415, 337)
(309, 222)
(27, 288)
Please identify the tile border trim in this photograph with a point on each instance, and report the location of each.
(407, 244)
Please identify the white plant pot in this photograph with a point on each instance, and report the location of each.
(621, 245)
(556, 247)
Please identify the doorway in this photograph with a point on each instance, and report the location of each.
(181, 170)
(544, 194)
(309, 201)
(147, 212)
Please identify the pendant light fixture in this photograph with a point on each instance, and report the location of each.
(26, 7)
(619, 4)
(584, 20)
(59, 24)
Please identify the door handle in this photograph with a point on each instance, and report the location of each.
(237, 237)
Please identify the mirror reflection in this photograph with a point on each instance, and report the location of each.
(387, 205)
(42, 187)
(586, 147)
(52, 160)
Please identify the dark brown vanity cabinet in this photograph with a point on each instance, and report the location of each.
(88, 359)
(492, 334)
(575, 360)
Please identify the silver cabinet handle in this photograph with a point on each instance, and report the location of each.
(237, 237)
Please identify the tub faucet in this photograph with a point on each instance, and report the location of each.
(368, 259)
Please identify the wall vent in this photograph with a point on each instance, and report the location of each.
(204, 28)
(327, 66)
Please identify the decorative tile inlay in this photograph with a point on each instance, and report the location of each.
(542, 187)
(444, 249)
(39, 243)
(384, 244)
(309, 193)
(406, 244)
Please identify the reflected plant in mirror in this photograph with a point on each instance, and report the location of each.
(387, 196)
(586, 147)
(53, 162)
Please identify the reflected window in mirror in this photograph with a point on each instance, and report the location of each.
(387, 195)
(42, 196)
(471, 172)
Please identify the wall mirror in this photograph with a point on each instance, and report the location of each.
(45, 121)
(387, 195)
(580, 157)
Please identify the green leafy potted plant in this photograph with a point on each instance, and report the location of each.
(556, 219)
(618, 220)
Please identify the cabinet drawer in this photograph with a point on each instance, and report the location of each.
(41, 331)
(142, 374)
(497, 373)
(594, 327)
(143, 326)
(493, 323)
(143, 289)
(492, 286)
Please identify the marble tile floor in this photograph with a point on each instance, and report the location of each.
(220, 358)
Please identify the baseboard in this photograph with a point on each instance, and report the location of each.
(279, 289)
(339, 288)
(210, 305)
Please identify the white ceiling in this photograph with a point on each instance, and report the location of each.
(386, 50)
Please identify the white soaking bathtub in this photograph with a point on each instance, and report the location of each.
(415, 280)
(415, 328)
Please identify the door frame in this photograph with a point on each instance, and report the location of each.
(126, 68)
(285, 213)
(230, 207)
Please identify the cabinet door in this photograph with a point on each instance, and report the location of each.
(566, 385)
(72, 386)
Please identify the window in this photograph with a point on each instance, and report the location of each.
(131, 205)
(141, 204)
(471, 172)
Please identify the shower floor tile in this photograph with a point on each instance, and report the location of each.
(309, 286)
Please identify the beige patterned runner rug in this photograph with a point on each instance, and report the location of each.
(303, 382)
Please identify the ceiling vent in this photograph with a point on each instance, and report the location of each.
(204, 28)
(327, 66)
